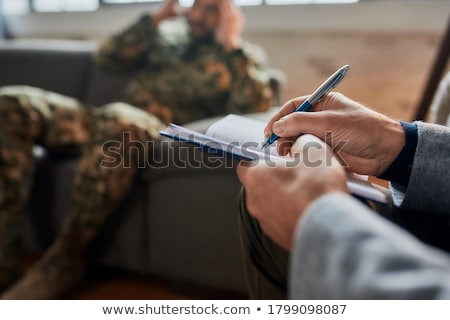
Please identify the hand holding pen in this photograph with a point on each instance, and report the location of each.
(320, 92)
(366, 141)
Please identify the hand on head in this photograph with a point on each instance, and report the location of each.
(231, 24)
(278, 193)
(366, 141)
(207, 17)
(169, 9)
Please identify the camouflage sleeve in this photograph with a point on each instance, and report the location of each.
(250, 90)
(126, 51)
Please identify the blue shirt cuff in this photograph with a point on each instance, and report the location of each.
(400, 170)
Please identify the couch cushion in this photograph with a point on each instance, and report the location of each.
(60, 66)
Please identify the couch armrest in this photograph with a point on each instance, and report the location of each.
(277, 82)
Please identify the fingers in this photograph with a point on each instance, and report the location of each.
(286, 128)
(332, 101)
(295, 125)
(167, 10)
(298, 123)
(227, 9)
(230, 7)
(179, 10)
(231, 24)
(286, 109)
(171, 4)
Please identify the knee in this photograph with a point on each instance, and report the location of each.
(18, 120)
(9, 104)
(120, 118)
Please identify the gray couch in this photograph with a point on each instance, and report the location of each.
(177, 223)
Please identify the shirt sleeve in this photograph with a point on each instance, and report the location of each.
(127, 50)
(400, 170)
(428, 187)
(250, 90)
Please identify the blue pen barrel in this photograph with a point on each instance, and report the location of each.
(305, 106)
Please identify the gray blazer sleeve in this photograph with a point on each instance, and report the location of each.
(344, 250)
(429, 188)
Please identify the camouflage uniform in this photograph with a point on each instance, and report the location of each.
(177, 79)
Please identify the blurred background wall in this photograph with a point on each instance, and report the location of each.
(2, 22)
(390, 45)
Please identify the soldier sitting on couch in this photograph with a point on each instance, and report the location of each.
(207, 71)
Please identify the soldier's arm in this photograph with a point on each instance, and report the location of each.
(250, 90)
(126, 51)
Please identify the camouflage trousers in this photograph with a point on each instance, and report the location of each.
(31, 116)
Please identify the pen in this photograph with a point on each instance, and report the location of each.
(324, 88)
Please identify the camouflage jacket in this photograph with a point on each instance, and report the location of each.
(180, 79)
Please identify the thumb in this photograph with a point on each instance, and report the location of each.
(310, 144)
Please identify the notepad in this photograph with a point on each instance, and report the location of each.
(240, 138)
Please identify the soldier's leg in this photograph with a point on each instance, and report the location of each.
(25, 118)
(104, 177)
(265, 263)
(16, 168)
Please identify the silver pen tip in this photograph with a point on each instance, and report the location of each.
(344, 69)
(265, 145)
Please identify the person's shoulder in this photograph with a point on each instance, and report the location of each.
(254, 51)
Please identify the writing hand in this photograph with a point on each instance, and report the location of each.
(367, 141)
